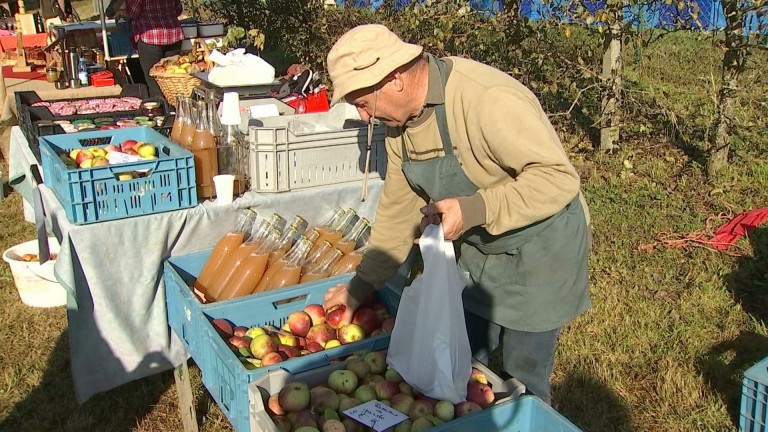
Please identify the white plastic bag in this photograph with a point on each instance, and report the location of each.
(237, 68)
(429, 344)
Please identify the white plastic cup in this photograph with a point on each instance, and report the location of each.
(225, 185)
(230, 109)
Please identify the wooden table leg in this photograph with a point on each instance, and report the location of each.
(186, 399)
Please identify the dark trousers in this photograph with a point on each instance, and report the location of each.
(151, 54)
(527, 356)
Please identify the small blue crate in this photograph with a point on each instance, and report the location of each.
(91, 195)
(120, 42)
(753, 416)
(225, 377)
(524, 414)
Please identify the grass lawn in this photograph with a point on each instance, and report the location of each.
(669, 335)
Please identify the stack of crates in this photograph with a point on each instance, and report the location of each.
(753, 415)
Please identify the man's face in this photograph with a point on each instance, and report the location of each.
(380, 102)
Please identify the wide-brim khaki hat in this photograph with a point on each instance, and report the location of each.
(364, 56)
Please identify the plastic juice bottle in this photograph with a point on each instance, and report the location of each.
(296, 255)
(224, 246)
(289, 272)
(349, 262)
(323, 269)
(232, 262)
(203, 147)
(251, 269)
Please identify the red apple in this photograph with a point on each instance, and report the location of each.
(480, 393)
(381, 310)
(223, 327)
(83, 155)
(289, 351)
(240, 331)
(321, 333)
(316, 312)
(128, 144)
(273, 405)
(313, 347)
(387, 324)
(367, 318)
(240, 341)
(271, 358)
(402, 402)
(299, 323)
(386, 389)
(335, 316)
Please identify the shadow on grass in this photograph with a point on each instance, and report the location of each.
(724, 365)
(52, 406)
(610, 414)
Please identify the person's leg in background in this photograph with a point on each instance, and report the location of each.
(526, 356)
(151, 54)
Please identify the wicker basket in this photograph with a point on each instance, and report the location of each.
(174, 84)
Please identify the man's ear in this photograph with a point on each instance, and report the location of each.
(396, 80)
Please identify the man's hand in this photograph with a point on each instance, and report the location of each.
(447, 212)
(339, 295)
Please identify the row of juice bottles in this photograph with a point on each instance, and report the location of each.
(260, 256)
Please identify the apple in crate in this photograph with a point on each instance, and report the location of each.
(299, 323)
(368, 319)
(294, 397)
(146, 150)
(343, 381)
(111, 148)
(83, 156)
(99, 161)
(128, 145)
(97, 151)
(316, 312)
(350, 333)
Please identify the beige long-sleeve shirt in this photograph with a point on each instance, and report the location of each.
(505, 145)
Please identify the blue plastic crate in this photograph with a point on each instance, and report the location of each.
(753, 415)
(225, 377)
(96, 195)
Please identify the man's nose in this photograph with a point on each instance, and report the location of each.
(364, 116)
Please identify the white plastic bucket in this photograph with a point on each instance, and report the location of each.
(36, 283)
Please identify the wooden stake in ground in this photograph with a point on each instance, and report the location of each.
(21, 55)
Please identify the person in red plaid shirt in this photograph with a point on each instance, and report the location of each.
(156, 31)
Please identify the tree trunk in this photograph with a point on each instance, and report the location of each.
(734, 62)
(611, 75)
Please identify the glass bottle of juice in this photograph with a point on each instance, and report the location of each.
(300, 223)
(349, 262)
(203, 147)
(323, 269)
(283, 245)
(224, 246)
(189, 125)
(314, 258)
(232, 262)
(289, 272)
(349, 242)
(278, 222)
(251, 269)
(297, 254)
(182, 103)
(333, 231)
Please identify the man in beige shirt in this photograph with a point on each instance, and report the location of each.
(470, 147)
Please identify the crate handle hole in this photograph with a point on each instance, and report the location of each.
(283, 303)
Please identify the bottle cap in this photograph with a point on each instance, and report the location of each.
(230, 111)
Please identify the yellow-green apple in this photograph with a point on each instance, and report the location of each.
(87, 163)
(402, 402)
(367, 318)
(377, 360)
(404, 426)
(405, 388)
(97, 151)
(255, 331)
(385, 389)
(393, 375)
(316, 312)
(321, 333)
(335, 316)
(299, 323)
(350, 333)
(467, 407)
(99, 161)
(348, 402)
(333, 343)
(422, 424)
(343, 381)
(480, 393)
(419, 408)
(365, 393)
(373, 379)
(322, 398)
(351, 425)
(359, 367)
(288, 339)
(333, 425)
(146, 150)
(445, 410)
(261, 345)
(294, 397)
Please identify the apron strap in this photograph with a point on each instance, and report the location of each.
(442, 118)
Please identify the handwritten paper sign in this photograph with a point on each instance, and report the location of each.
(118, 158)
(376, 415)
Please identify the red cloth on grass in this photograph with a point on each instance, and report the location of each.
(740, 225)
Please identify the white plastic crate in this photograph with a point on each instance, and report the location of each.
(306, 150)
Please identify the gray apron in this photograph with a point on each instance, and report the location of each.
(529, 279)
